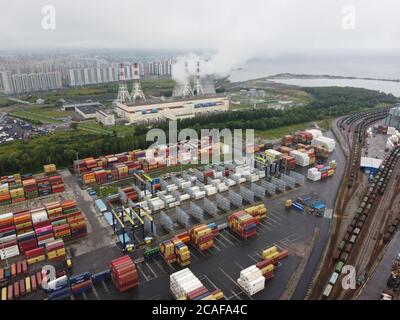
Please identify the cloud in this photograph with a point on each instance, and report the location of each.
(235, 30)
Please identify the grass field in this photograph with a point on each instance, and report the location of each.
(39, 115)
(93, 127)
(277, 133)
(5, 102)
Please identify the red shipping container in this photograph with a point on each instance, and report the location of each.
(10, 292)
(24, 267)
(22, 286)
(16, 290)
(34, 252)
(39, 279)
(33, 283)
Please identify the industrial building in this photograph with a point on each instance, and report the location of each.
(106, 118)
(86, 112)
(73, 106)
(370, 165)
(172, 110)
(393, 118)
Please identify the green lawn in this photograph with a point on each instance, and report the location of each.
(40, 115)
(5, 102)
(277, 133)
(33, 117)
(94, 127)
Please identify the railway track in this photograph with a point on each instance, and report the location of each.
(351, 130)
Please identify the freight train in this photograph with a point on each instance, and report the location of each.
(377, 188)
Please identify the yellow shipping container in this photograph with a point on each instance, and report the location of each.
(28, 285)
(36, 259)
(23, 225)
(4, 294)
(219, 295)
(267, 269)
(269, 251)
(271, 256)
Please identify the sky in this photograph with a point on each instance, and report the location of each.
(261, 28)
(235, 31)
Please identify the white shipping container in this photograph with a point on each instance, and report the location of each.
(184, 197)
(313, 174)
(199, 195)
(9, 252)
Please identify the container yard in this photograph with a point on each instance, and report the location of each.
(17, 188)
(193, 218)
(218, 231)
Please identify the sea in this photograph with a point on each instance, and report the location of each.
(378, 67)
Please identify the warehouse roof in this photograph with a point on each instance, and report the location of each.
(87, 109)
(370, 162)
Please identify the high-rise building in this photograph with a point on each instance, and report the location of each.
(36, 82)
(6, 82)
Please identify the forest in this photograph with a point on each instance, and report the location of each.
(62, 148)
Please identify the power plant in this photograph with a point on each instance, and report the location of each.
(123, 93)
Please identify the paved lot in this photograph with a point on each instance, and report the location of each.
(377, 283)
(220, 266)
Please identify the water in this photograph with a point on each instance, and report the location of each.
(384, 86)
(379, 67)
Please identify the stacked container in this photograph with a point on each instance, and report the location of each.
(5, 197)
(202, 236)
(57, 184)
(167, 250)
(267, 268)
(273, 155)
(251, 280)
(44, 186)
(242, 223)
(8, 241)
(30, 188)
(301, 158)
(326, 142)
(55, 250)
(272, 255)
(259, 212)
(35, 255)
(287, 140)
(311, 156)
(182, 252)
(288, 162)
(88, 178)
(124, 273)
(184, 285)
(130, 193)
(285, 150)
(49, 169)
(321, 152)
(314, 174)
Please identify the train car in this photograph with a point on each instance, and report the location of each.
(327, 291)
(333, 278)
(339, 266)
(353, 239)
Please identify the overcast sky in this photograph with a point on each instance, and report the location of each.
(252, 28)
